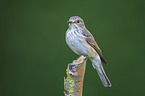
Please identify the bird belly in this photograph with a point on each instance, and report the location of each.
(79, 45)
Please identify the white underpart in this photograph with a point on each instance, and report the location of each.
(96, 62)
(76, 40)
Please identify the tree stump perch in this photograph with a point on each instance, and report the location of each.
(73, 83)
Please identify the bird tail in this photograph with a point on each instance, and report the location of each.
(98, 66)
(106, 82)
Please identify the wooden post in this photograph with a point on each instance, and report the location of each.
(73, 84)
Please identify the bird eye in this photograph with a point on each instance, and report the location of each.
(78, 21)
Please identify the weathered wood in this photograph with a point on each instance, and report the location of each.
(73, 84)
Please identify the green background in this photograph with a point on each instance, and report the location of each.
(34, 55)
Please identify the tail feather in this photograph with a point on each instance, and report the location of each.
(98, 66)
(106, 82)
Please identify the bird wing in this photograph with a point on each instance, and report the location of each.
(91, 41)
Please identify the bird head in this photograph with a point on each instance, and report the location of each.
(76, 20)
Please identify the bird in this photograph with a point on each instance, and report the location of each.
(82, 42)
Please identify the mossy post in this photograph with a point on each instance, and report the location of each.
(73, 83)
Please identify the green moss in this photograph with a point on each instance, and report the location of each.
(68, 84)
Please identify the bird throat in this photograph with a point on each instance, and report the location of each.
(74, 27)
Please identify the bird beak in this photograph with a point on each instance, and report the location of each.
(69, 22)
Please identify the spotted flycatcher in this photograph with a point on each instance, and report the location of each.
(82, 42)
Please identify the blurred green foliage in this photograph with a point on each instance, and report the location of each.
(34, 55)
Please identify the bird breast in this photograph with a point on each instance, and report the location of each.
(76, 40)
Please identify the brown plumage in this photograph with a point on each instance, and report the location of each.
(91, 41)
